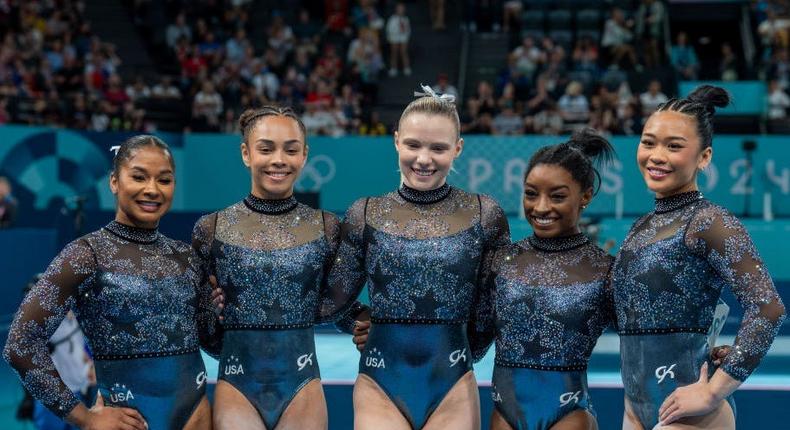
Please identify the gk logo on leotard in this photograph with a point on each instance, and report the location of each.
(200, 379)
(663, 371)
(304, 360)
(456, 356)
(566, 398)
(119, 393)
(374, 359)
(233, 367)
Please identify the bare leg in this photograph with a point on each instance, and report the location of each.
(498, 422)
(232, 411)
(307, 410)
(630, 421)
(373, 410)
(460, 408)
(577, 420)
(201, 417)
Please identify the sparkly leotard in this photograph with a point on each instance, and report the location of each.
(552, 303)
(270, 257)
(423, 255)
(667, 279)
(135, 294)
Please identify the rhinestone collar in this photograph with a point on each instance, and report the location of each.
(671, 203)
(424, 197)
(555, 244)
(270, 206)
(133, 234)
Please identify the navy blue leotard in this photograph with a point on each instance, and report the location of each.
(552, 303)
(270, 257)
(667, 279)
(423, 255)
(137, 296)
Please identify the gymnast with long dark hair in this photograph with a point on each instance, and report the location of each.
(137, 296)
(670, 272)
(553, 299)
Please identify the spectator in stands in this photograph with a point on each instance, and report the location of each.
(398, 34)
(307, 33)
(330, 65)
(8, 204)
(280, 38)
(178, 30)
(773, 31)
(482, 124)
(508, 98)
(78, 115)
(684, 58)
(237, 46)
(617, 39)
(230, 124)
(100, 118)
(585, 56)
(483, 100)
(778, 101)
(437, 14)
(650, 18)
(317, 120)
(539, 98)
(602, 115)
(336, 17)
(508, 122)
(138, 91)
(573, 107)
(115, 93)
(372, 126)
(528, 57)
(206, 108)
(728, 65)
(165, 89)
(443, 86)
(365, 55)
(365, 15)
(629, 122)
(652, 98)
(779, 69)
(548, 121)
(265, 82)
(349, 103)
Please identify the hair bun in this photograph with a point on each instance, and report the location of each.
(710, 96)
(592, 145)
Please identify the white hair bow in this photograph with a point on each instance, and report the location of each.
(428, 91)
(115, 149)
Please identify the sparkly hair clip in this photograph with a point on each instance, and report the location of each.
(115, 149)
(428, 91)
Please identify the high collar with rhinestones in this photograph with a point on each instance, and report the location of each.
(671, 203)
(424, 197)
(555, 244)
(270, 207)
(133, 234)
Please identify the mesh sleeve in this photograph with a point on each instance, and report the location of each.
(209, 328)
(39, 315)
(496, 230)
(348, 274)
(725, 243)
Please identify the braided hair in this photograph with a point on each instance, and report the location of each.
(701, 104)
